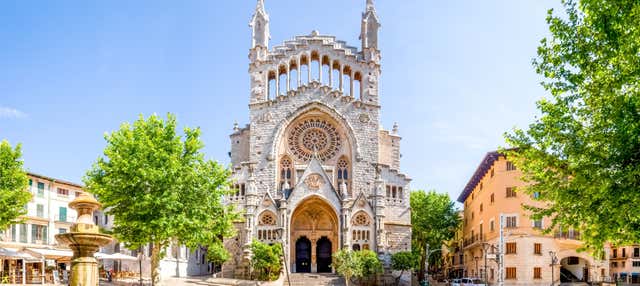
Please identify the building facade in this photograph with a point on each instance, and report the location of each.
(453, 253)
(47, 214)
(625, 263)
(492, 193)
(314, 169)
(178, 261)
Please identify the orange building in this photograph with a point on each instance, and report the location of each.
(493, 192)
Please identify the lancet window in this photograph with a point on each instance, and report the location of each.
(286, 173)
(343, 173)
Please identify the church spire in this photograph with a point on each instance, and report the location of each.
(370, 6)
(260, 27)
(370, 26)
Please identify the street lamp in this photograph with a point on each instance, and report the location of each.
(554, 262)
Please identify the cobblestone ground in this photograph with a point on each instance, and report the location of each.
(191, 281)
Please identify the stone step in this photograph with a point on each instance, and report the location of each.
(314, 279)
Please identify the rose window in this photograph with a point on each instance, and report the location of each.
(314, 136)
(361, 219)
(267, 219)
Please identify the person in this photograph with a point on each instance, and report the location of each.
(110, 275)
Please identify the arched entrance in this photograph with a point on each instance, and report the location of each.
(314, 223)
(574, 269)
(323, 252)
(303, 255)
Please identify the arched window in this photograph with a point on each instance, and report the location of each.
(357, 83)
(286, 173)
(273, 87)
(343, 172)
(304, 70)
(315, 66)
(267, 218)
(361, 219)
(282, 80)
(326, 69)
(335, 75)
(356, 247)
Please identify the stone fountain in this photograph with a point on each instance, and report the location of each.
(84, 239)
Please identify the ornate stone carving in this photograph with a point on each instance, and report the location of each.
(314, 137)
(363, 117)
(265, 117)
(314, 182)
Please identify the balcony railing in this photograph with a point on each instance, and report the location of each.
(474, 239)
(67, 218)
(567, 235)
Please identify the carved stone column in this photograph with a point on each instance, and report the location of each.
(379, 199)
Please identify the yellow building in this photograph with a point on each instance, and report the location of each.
(625, 263)
(34, 253)
(493, 192)
(453, 254)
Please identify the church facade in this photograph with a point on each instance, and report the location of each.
(314, 169)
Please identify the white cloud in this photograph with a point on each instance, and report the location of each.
(8, 112)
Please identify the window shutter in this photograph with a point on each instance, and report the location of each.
(34, 233)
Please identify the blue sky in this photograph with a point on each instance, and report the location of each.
(455, 74)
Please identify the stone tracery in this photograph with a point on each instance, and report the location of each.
(314, 137)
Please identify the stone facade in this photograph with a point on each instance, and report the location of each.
(314, 170)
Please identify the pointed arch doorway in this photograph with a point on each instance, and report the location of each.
(314, 236)
(323, 254)
(303, 255)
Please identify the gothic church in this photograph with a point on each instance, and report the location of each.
(314, 168)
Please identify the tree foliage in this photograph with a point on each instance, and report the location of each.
(160, 188)
(13, 185)
(403, 261)
(434, 220)
(370, 263)
(361, 264)
(583, 154)
(266, 260)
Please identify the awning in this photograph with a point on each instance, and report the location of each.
(115, 256)
(15, 254)
(51, 253)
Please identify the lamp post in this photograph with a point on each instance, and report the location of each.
(426, 267)
(554, 262)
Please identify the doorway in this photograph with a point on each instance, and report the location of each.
(303, 255)
(323, 254)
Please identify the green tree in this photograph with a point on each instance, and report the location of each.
(403, 261)
(582, 154)
(370, 264)
(266, 260)
(13, 185)
(434, 220)
(348, 264)
(160, 188)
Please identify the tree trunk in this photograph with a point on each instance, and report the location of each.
(421, 270)
(155, 264)
(346, 280)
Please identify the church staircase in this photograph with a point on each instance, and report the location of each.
(314, 279)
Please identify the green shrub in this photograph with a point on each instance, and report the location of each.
(266, 260)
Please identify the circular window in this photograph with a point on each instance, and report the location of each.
(361, 219)
(314, 136)
(267, 219)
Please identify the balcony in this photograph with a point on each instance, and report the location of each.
(474, 239)
(67, 218)
(575, 235)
